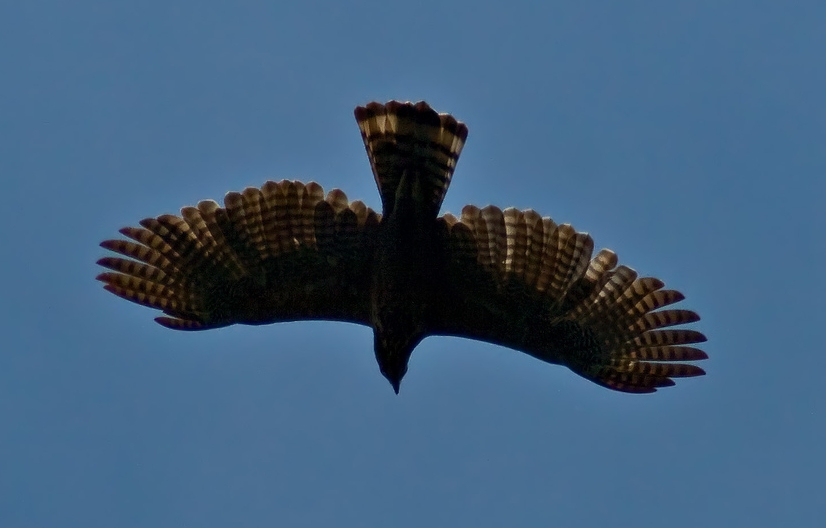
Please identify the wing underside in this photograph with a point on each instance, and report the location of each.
(522, 281)
(283, 252)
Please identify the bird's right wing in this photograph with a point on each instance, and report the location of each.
(280, 253)
(522, 281)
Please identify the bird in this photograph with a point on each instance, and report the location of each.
(289, 252)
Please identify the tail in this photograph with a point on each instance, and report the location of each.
(414, 138)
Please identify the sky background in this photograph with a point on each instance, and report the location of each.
(686, 136)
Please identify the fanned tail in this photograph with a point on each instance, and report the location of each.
(411, 137)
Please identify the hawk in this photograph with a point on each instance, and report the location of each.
(287, 252)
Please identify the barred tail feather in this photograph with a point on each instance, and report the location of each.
(411, 137)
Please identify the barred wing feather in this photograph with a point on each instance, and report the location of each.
(522, 281)
(283, 252)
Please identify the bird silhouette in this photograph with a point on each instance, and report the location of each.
(286, 252)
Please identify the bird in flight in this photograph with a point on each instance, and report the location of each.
(286, 252)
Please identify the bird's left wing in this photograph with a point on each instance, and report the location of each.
(283, 252)
(522, 281)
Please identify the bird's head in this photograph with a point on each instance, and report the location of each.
(393, 351)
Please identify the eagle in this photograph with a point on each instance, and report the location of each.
(288, 252)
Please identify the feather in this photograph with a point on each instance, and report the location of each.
(205, 268)
(411, 137)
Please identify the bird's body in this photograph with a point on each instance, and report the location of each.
(286, 252)
(403, 292)
(413, 152)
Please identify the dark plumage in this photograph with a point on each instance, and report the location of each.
(286, 252)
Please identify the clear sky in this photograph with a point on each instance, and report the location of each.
(686, 136)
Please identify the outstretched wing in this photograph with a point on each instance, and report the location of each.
(280, 253)
(522, 281)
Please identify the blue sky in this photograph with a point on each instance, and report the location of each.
(686, 136)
